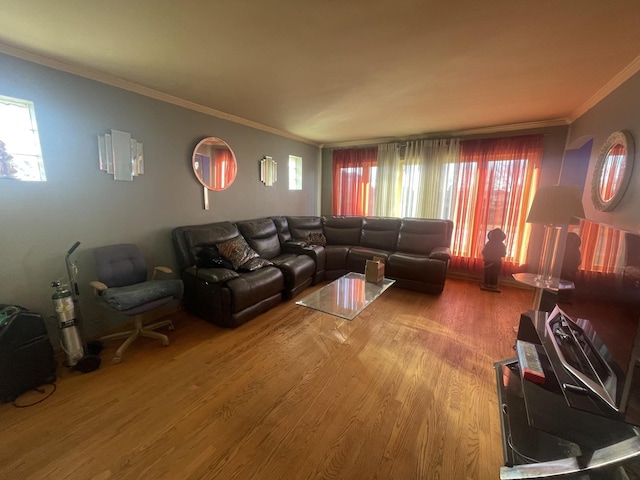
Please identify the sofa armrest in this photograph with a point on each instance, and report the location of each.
(316, 252)
(293, 246)
(215, 275)
(441, 253)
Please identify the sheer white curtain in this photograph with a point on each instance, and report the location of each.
(415, 184)
(429, 161)
(386, 195)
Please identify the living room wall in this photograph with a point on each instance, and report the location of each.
(41, 220)
(620, 110)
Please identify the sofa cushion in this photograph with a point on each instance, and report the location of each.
(261, 234)
(297, 269)
(237, 251)
(255, 264)
(301, 227)
(341, 230)
(251, 288)
(201, 236)
(282, 227)
(381, 233)
(420, 236)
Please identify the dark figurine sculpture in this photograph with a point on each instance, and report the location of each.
(492, 254)
(572, 258)
(570, 263)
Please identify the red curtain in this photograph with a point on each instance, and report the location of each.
(353, 176)
(600, 249)
(494, 184)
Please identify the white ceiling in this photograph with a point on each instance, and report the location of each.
(336, 71)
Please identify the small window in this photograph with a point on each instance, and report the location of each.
(295, 173)
(20, 154)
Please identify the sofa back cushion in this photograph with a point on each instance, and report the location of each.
(380, 233)
(301, 227)
(188, 241)
(282, 227)
(261, 235)
(341, 230)
(420, 236)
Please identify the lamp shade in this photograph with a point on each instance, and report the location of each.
(556, 205)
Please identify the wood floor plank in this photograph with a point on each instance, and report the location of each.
(404, 391)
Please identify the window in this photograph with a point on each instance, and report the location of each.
(295, 173)
(492, 187)
(411, 176)
(409, 184)
(354, 180)
(489, 199)
(20, 154)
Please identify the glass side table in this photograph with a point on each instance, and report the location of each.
(531, 279)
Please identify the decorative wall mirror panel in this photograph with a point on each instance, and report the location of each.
(268, 171)
(612, 171)
(214, 164)
(120, 155)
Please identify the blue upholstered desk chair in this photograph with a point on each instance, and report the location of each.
(123, 287)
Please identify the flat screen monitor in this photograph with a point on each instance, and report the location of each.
(603, 262)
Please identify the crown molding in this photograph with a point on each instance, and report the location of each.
(139, 89)
(609, 87)
(512, 127)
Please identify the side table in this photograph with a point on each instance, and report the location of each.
(531, 279)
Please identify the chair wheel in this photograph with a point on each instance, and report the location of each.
(116, 360)
(165, 344)
(171, 327)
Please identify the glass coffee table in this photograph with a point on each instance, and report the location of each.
(347, 296)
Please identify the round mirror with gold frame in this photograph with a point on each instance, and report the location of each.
(214, 163)
(612, 171)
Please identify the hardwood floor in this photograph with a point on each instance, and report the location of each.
(404, 391)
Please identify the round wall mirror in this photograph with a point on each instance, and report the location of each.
(612, 171)
(214, 163)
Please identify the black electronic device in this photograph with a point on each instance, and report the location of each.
(604, 304)
(590, 365)
(564, 426)
(26, 354)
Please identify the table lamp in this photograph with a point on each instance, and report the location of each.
(554, 207)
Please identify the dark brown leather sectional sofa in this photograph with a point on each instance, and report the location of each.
(416, 253)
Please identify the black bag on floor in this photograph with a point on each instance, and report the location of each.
(26, 354)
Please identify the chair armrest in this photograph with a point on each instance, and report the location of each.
(160, 269)
(441, 253)
(98, 287)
